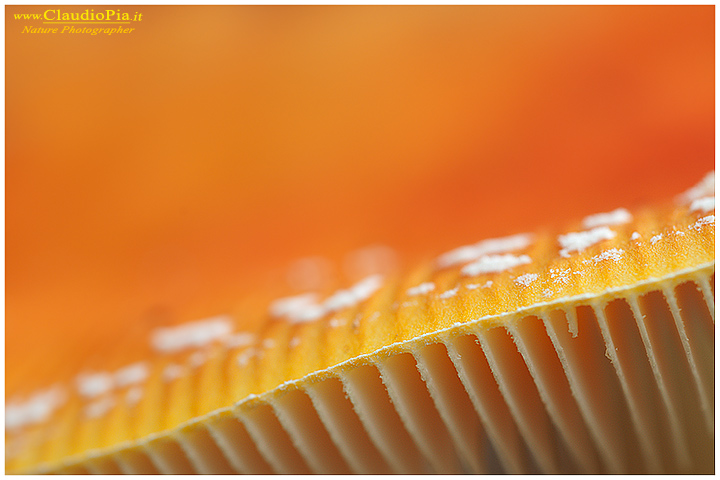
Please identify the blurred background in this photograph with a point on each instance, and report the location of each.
(160, 176)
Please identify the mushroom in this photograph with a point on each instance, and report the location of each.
(362, 240)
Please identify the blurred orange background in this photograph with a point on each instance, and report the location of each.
(180, 167)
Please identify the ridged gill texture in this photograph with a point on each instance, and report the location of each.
(586, 350)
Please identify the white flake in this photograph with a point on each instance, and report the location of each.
(579, 241)
(656, 238)
(99, 407)
(616, 217)
(357, 293)
(547, 293)
(704, 204)
(133, 396)
(135, 373)
(709, 220)
(294, 342)
(197, 359)
(308, 313)
(192, 334)
(339, 300)
(449, 293)
(560, 276)
(172, 371)
(486, 247)
(494, 264)
(303, 308)
(337, 322)
(421, 289)
(240, 340)
(288, 306)
(527, 279)
(36, 409)
(244, 357)
(635, 236)
(268, 343)
(473, 286)
(94, 384)
(612, 254)
(705, 188)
